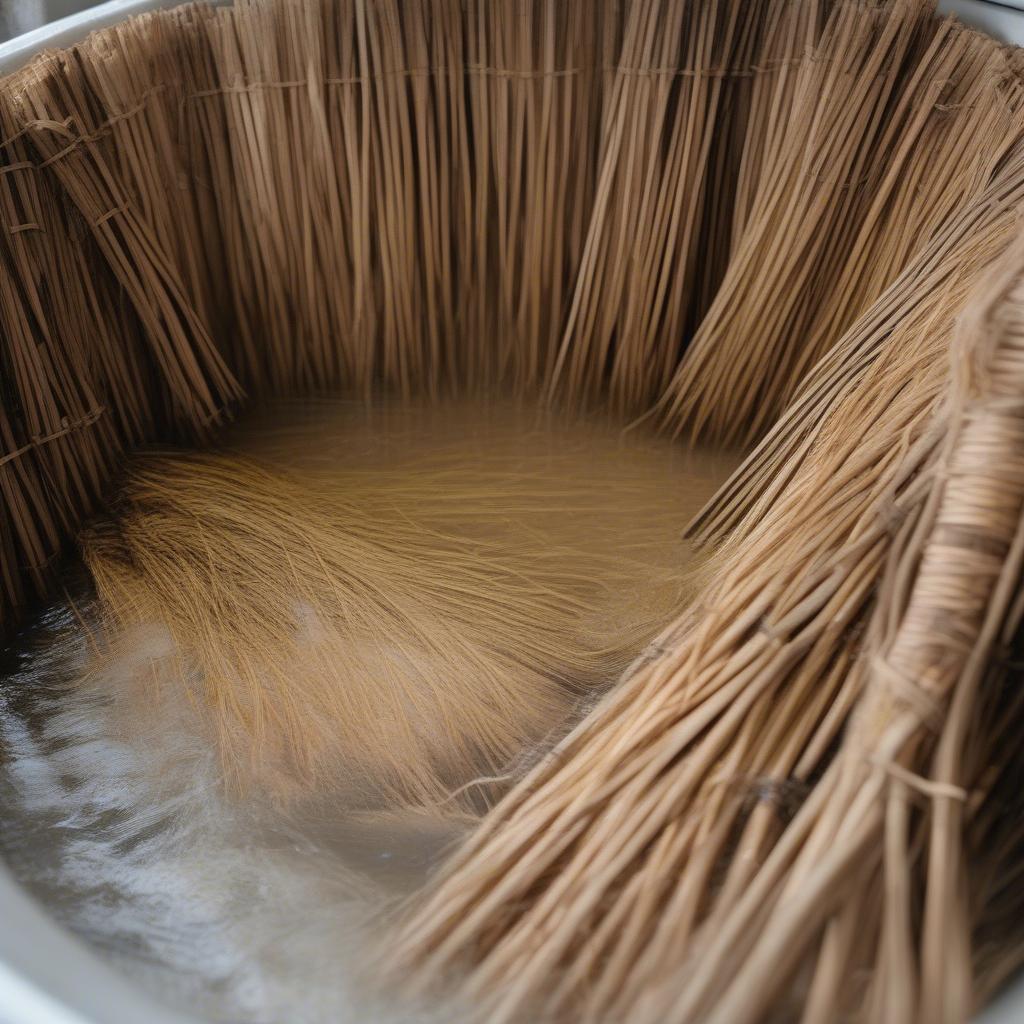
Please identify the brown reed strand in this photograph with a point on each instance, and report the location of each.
(612, 872)
(434, 197)
(634, 866)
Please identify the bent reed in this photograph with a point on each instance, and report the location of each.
(788, 224)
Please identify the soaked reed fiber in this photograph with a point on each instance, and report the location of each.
(757, 222)
(386, 609)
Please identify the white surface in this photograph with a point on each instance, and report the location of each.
(48, 977)
(1004, 20)
(66, 31)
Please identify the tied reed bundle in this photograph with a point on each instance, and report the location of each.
(708, 845)
(756, 222)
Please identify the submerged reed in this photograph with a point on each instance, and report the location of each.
(382, 608)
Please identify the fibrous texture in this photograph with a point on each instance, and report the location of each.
(755, 222)
(388, 609)
(774, 818)
(661, 201)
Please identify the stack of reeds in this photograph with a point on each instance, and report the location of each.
(763, 222)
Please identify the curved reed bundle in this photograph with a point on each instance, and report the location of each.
(701, 808)
(756, 222)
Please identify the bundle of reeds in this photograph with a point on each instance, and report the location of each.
(760, 223)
